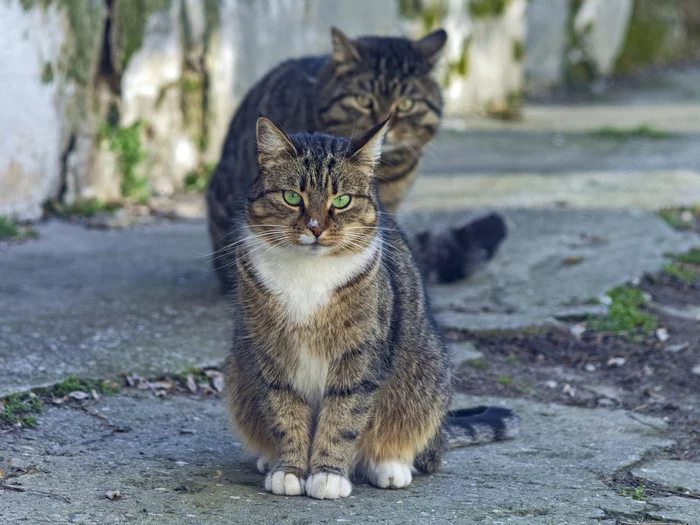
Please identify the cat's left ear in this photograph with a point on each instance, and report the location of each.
(368, 148)
(431, 46)
(344, 49)
(273, 143)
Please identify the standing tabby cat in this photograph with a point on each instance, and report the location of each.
(345, 94)
(336, 365)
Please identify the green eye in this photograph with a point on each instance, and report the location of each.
(405, 104)
(291, 197)
(341, 202)
(364, 100)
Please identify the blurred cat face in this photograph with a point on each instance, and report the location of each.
(314, 194)
(374, 77)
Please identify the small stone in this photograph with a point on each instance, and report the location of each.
(568, 389)
(616, 361)
(113, 494)
(181, 463)
(605, 402)
(696, 370)
(662, 334)
(551, 384)
(677, 348)
(590, 367)
(79, 395)
(578, 329)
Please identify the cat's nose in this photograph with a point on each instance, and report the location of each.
(316, 228)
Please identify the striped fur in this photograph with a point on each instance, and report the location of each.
(344, 93)
(336, 364)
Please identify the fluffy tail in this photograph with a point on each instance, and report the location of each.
(478, 425)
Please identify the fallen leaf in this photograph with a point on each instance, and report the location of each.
(162, 385)
(218, 383)
(677, 348)
(95, 395)
(79, 395)
(113, 494)
(573, 259)
(3, 476)
(218, 474)
(160, 393)
(191, 385)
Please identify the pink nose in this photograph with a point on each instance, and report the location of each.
(317, 230)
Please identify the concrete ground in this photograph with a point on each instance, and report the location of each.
(142, 300)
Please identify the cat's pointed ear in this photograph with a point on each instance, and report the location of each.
(344, 49)
(430, 46)
(273, 143)
(367, 149)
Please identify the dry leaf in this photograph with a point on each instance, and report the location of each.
(218, 474)
(162, 385)
(79, 395)
(113, 494)
(191, 385)
(161, 393)
(3, 476)
(95, 395)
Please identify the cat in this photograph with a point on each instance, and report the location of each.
(344, 94)
(336, 366)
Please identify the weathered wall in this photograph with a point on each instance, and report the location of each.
(134, 101)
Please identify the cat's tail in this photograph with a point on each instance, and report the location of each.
(478, 425)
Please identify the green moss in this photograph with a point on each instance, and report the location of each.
(126, 143)
(20, 408)
(682, 218)
(11, 231)
(510, 109)
(478, 364)
(518, 50)
(433, 14)
(75, 384)
(47, 73)
(690, 257)
(624, 314)
(410, 9)
(637, 494)
(643, 131)
(197, 181)
(505, 380)
(646, 38)
(130, 19)
(86, 208)
(459, 67)
(487, 8)
(681, 272)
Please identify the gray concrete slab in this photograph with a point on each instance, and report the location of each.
(555, 264)
(678, 475)
(550, 475)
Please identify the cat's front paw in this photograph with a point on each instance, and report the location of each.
(389, 474)
(326, 485)
(284, 483)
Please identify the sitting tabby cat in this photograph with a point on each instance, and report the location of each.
(336, 365)
(345, 94)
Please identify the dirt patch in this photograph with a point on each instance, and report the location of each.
(648, 373)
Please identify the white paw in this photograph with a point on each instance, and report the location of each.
(389, 474)
(284, 483)
(263, 464)
(325, 485)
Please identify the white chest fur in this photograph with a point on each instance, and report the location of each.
(304, 283)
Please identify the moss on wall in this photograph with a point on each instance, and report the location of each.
(130, 19)
(487, 8)
(459, 67)
(649, 35)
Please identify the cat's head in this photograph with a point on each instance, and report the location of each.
(370, 78)
(315, 194)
